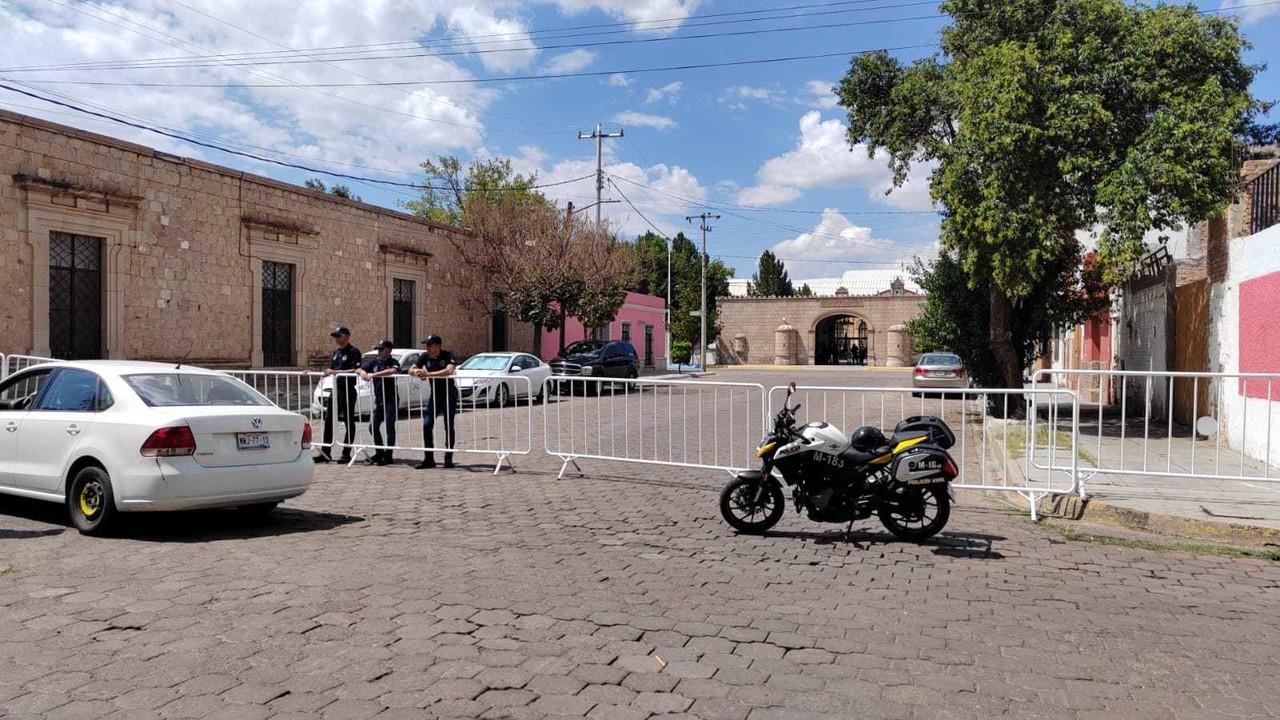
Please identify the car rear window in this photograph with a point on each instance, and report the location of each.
(940, 359)
(191, 389)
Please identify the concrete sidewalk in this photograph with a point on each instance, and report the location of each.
(1180, 490)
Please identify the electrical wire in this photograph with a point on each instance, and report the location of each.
(625, 27)
(485, 51)
(506, 78)
(261, 158)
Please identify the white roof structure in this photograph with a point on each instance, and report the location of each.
(857, 282)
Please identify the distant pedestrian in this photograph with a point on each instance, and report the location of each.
(381, 370)
(343, 363)
(437, 365)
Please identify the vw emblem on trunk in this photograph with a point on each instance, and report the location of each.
(256, 422)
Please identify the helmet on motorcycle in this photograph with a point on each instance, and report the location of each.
(867, 438)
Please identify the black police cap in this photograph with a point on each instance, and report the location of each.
(384, 345)
(433, 340)
(340, 330)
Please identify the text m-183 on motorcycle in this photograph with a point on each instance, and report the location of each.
(904, 479)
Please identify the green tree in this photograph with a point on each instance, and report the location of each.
(650, 251)
(770, 280)
(341, 191)
(1044, 117)
(450, 189)
(954, 315)
(804, 291)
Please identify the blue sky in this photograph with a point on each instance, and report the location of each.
(762, 145)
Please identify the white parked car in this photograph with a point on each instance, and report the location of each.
(407, 386)
(107, 437)
(489, 378)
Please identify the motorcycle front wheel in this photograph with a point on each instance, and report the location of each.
(748, 508)
(917, 513)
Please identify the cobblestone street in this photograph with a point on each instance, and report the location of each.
(397, 593)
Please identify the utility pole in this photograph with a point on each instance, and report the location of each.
(705, 228)
(599, 136)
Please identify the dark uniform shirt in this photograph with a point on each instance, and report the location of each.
(382, 386)
(345, 358)
(440, 385)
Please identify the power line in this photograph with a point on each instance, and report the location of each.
(625, 27)
(507, 78)
(181, 44)
(484, 51)
(724, 206)
(261, 158)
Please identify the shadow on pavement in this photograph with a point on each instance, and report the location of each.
(977, 546)
(189, 526)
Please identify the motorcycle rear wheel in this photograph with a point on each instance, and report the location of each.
(740, 508)
(922, 522)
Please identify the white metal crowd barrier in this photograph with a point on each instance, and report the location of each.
(684, 423)
(1175, 425)
(1013, 454)
(10, 364)
(493, 423)
(294, 391)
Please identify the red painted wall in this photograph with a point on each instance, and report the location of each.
(1260, 333)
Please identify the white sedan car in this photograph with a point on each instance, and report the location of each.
(106, 437)
(493, 378)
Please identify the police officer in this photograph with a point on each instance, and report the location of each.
(437, 365)
(381, 370)
(343, 363)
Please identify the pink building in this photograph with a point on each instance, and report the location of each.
(641, 321)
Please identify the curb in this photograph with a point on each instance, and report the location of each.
(1072, 508)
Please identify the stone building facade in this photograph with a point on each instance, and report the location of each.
(749, 327)
(117, 250)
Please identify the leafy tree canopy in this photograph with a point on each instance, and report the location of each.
(771, 279)
(1044, 117)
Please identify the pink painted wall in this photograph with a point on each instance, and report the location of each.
(1260, 333)
(637, 310)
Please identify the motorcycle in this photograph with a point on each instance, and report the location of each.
(903, 478)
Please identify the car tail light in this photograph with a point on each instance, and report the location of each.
(170, 442)
(306, 435)
(949, 468)
(960, 372)
(919, 372)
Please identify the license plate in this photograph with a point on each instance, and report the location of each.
(253, 441)
(940, 373)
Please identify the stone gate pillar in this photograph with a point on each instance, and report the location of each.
(785, 344)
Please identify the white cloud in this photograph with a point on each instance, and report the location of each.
(663, 193)
(822, 158)
(619, 80)
(510, 35)
(1250, 10)
(670, 91)
(645, 11)
(737, 96)
(572, 61)
(835, 240)
(767, 195)
(658, 122)
(818, 95)
(370, 127)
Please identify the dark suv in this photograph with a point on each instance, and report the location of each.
(597, 358)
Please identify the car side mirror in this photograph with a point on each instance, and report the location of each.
(515, 369)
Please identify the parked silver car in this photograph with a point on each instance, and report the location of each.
(939, 371)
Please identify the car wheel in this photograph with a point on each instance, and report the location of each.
(258, 510)
(90, 502)
(502, 397)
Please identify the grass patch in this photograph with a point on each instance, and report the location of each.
(1016, 443)
(1167, 546)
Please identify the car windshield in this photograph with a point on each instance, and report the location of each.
(940, 359)
(185, 389)
(584, 347)
(485, 362)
